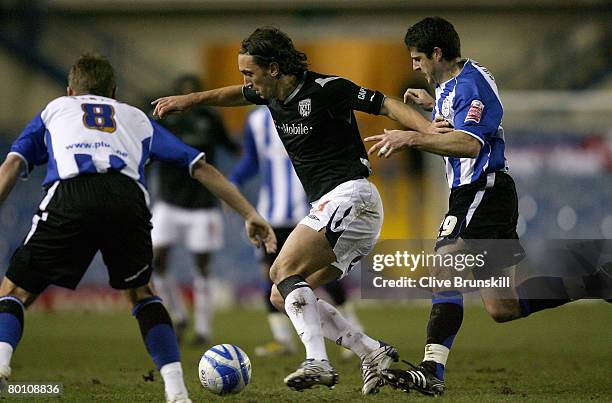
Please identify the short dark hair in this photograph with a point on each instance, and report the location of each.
(434, 32)
(270, 44)
(92, 74)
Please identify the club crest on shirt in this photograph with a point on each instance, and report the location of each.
(446, 107)
(304, 107)
(475, 112)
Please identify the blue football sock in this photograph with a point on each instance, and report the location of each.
(444, 323)
(11, 320)
(157, 332)
(539, 293)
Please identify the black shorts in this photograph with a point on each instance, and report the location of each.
(282, 233)
(79, 217)
(486, 211)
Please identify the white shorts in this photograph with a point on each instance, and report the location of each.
(352, 215)
(201, 230)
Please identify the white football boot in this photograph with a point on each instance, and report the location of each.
(310, 373)
(374, 362)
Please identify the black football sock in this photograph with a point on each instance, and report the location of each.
(444, 323)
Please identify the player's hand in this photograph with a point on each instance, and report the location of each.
(388, 143)
(419, 97)
(174, 103)
(258, 231)
(440, 125)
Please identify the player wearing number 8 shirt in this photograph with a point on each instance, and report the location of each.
(313, 115)
(95, 149)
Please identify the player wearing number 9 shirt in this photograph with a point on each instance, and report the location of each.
(95, 200)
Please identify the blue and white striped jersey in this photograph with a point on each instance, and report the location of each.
(87, 134)
(470, 101)
(282, 200)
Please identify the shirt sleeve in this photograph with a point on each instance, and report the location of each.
(477, 112)
(344, 92)
(166, 147)
(251, 96)
(30, 145)
(248, 165)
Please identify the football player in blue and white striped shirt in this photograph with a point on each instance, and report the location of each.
(483, 199)
(95, 149)
(483, 202)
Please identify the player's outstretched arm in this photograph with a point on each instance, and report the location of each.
(405, 115)
(9, 172)
(258, 229)
(224, 96)
(448, 144)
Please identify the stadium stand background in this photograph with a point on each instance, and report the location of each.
(554, 71)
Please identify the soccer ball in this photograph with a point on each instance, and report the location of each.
(224, 369)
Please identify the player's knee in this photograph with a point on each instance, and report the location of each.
(501, 317)
(283, 268)
(501, 313)
(277, 299)
(278, 273)
(274, 273)
(8, 288)
(139, 293)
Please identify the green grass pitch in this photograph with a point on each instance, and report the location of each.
(563, 354)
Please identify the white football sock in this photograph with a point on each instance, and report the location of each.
(437, 353)
(202, 305)
(335, 327)
(280, 325)
(301, 307)
(348, 311)
(6, 352)
(170, 293)
(173, 379)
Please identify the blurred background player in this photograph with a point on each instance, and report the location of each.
(186, 213)
(283, 202)
(95, 149)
